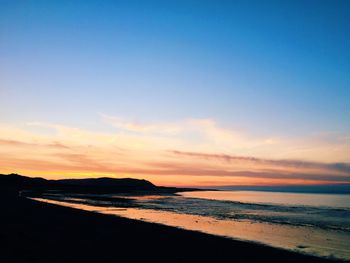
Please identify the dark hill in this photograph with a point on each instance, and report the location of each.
(105, 181)
(97, 185)
(19, 181)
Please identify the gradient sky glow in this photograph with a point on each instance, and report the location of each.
(177, 92)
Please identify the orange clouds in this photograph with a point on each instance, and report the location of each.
(204, 154)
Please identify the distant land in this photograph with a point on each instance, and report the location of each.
(314, 189)
(88, 185)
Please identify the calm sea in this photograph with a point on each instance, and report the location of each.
(317, 224)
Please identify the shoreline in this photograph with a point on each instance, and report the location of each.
(41, 231)
(282, 237)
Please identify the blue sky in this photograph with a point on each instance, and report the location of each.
(278, 66)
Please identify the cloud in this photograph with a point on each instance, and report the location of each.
(335, 167)
(134, 126)
(15, 143)
(205, 127)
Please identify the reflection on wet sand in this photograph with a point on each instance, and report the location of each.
(303, 239)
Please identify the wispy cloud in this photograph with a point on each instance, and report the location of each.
(27, 144)
(135, 126)
(331, 167)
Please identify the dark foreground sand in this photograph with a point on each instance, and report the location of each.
(31, 231)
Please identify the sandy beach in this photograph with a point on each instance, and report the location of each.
(38, 232)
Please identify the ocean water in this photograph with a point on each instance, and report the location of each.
(317, 224)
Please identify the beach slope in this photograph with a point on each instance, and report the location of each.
(39, 232)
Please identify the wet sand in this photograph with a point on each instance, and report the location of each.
(304, 240)
(32, 231)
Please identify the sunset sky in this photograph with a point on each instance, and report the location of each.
(183, 93)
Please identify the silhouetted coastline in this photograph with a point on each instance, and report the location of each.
(100, 185)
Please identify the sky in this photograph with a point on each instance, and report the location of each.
(184, 93)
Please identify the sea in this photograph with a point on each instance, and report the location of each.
(309, 223)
